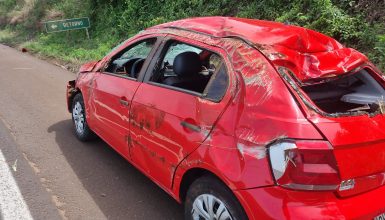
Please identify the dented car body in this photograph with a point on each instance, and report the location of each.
(288, 119)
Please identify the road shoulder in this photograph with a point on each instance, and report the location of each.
(37, 199)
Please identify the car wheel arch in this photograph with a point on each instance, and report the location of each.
(73, 93)
(85, 100)
(192, 174)
(188, 178)
(193, 167)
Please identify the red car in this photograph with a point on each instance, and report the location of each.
(242, 119)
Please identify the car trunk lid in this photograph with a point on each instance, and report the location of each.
(358, 142)
(359, 149)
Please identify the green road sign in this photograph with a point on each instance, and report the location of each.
(67, 24)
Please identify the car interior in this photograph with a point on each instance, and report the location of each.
(182, 66)
(130, 61)
(354, 92)
(186, 67)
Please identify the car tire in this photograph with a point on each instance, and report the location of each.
(82, 131)
(223, 201)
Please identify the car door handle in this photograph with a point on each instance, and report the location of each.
(190, 126)
(123, 101)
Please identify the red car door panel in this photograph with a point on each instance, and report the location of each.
(114, 89)
(166, 125)
(112, 97)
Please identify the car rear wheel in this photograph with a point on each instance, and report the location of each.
(208, 198)
(82, 131)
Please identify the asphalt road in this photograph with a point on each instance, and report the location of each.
(57, 175)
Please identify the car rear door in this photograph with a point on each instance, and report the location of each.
(168, 123)
(114, 89)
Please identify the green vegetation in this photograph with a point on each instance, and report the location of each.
(359, 24)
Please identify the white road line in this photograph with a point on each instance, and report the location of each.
(22, 68)
(12, 204)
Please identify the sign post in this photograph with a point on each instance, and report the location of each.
(67, 25)
(88, 34)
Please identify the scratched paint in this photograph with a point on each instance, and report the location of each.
(259, 152)
(253, 81)
(309, 53)
(261, 106)
(253, 89)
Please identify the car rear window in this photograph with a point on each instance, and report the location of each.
(355, 92)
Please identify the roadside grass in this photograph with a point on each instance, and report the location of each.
(113, 21)
(74, 51)
(7, 37)
(68, 50)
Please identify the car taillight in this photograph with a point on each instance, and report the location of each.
(304, 165)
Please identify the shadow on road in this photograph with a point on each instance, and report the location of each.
(118, 188)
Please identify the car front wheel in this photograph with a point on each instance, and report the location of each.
(82, 131)
(208, 198)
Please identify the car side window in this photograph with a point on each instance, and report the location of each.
(218, 83)
(129, 62)
(191, 68)
(178, 48)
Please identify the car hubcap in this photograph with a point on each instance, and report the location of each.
(209, 207)
(78, 115)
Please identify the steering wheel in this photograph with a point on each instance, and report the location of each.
(127, 66)
(135, 69)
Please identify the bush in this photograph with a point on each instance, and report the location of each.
(115, 20)
(379, 56)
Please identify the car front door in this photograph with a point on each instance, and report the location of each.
(114, 88)
(171, 118)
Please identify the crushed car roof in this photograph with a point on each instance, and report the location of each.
(309, 54)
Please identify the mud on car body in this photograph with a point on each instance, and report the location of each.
(242, 119)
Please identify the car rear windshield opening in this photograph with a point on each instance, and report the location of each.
(357, 92)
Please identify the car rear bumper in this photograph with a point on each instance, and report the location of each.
(278, 203)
